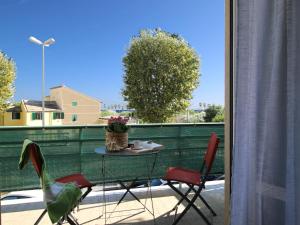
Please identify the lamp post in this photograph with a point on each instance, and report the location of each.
(44, 44)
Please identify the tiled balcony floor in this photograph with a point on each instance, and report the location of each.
(130, 211)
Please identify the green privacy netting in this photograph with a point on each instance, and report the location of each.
(59, 198)
(70, 150)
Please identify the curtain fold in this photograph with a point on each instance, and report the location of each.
(266, 154)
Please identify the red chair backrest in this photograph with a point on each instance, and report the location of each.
(36, 158)
(211, 152)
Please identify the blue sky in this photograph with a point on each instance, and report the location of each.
(92, 37)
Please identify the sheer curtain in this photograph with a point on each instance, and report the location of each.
(266, 152)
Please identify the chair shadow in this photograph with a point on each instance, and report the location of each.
(126, 216)
(165, 219)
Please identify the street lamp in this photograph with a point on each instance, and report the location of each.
(47, 43)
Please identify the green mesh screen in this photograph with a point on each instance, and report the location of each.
(71, 150)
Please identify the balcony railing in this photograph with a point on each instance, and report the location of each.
(70, 149)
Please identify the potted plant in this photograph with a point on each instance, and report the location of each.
(116, 137)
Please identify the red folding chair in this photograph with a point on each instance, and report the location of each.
(78, 179)
(193, 179)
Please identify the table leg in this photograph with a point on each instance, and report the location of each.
(151, 198)
(103, 188)
(127, 191)
(149, 185)
(0, 209)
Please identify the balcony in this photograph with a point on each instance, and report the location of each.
(70, 149)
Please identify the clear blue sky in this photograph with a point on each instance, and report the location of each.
(92, 37)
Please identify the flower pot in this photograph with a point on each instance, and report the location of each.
(116, 141)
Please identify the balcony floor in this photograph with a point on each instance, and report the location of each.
(129, 211)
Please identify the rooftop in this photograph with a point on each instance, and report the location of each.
(36, 106)
(59, 86)
(15, 108)
(128, 212)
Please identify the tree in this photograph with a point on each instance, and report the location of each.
(212, 111)
(107, 112)
(218, 118)
(7, 78)
(160, 72)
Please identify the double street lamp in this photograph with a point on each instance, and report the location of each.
(44, 44)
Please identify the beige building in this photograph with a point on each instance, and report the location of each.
(64, 106)
(29, 113)
(78, 108)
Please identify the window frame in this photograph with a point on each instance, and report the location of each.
(37, 116)
(58, 116)
(230, 43)
(15, 113)
(74, 118)
(74, 103)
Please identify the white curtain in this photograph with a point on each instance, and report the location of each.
(266, 152)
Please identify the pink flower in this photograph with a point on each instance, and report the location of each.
(118, 119)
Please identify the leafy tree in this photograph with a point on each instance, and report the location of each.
(126, 114)
(7, 78)
(218, 118)
(212, 111)
(161, 71)
(105, 113)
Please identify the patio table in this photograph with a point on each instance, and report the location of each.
(130, 153)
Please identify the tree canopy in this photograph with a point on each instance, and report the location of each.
(160, 72)
(214, 113)
(7, 78)
(219, 118)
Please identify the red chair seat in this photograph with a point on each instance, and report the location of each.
(77, 178)
(183, 175)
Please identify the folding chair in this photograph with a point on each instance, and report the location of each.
(67, 186)
(193, 178)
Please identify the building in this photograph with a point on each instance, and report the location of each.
(29, 113)
(78, 108)
(64, 106)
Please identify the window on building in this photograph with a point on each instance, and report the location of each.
(37, 116)
(15, 115)
(74, 103)
(58, 115)
(74, 117)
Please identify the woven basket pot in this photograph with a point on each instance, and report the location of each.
(116, 141)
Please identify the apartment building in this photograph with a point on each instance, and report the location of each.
(78, 108)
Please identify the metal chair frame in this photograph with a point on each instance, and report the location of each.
(36, 161)
(205, 169)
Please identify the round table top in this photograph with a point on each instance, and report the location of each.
(103, 151)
